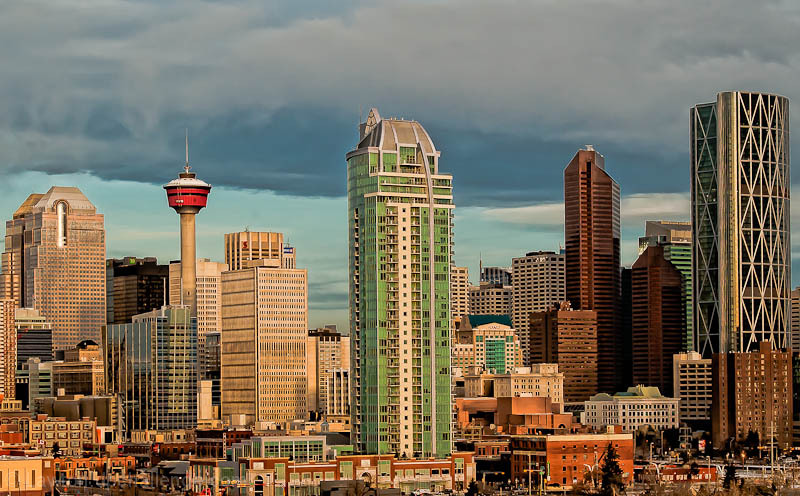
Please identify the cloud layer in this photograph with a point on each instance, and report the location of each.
(271, 90)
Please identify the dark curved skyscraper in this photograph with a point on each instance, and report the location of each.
(740, 222)
(592, 239)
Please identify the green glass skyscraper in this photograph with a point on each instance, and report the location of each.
(400, 246)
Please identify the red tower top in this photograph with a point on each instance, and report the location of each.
(187, 191)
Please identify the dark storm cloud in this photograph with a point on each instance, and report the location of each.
(270, 93)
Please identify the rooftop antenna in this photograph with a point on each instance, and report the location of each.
(186, 167)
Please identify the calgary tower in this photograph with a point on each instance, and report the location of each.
(187, 195)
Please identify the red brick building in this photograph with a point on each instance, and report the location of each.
(568, 338)
(280, 476)
(566, 459)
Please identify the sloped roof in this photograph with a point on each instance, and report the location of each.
(74, 197)
(390, 134)
(27, 205)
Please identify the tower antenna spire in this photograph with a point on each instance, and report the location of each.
(186, 167)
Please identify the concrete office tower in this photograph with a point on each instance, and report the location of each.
(246, 249)
(676, 239)
(151, 363)
(134, 286)
(188, 195)
(740, 222)
(794, 339)
(496, 275)
(208, 295)
(568, 338)
(54, 261)
(490, 299)
(692, 385)
(459, 293)
(657, 318)
(592, 238)
(539, 284)
(400, 251)
(752, 392)
(326, 350)
(263, 343)
(8, 348)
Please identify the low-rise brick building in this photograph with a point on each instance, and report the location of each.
(565, 459)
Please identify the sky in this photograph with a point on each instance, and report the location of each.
(97, 94)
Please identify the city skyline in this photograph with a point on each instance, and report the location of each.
(279, 135)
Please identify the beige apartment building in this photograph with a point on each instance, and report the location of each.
(244, 249)
(209, 297)
(459, 293)
(8, 348)
(490, 299)
(54, 261)
(263, 343)
(326, 350)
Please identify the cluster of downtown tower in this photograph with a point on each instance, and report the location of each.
(725, 291)
(733, 295)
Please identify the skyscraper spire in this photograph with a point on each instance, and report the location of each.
(186, 167)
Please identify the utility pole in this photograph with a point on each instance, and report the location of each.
(529, 474)
(771, 445)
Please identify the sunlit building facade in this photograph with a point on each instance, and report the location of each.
(54, 261)
(400, 247)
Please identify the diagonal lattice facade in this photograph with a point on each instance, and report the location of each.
(740, 222)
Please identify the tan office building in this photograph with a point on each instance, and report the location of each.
(459, 293)
(209, 297)
(326, 351)
(490, 299)
(263, 344)
(54, 261)
(540, 380)
(8, 348)
(70, 435)
(539, 282)
(246, 249)
(692, 385)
